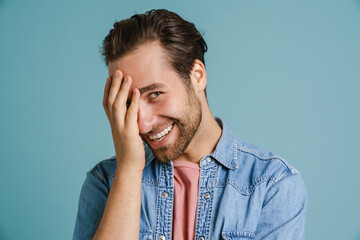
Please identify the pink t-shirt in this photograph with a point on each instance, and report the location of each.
(186, 183)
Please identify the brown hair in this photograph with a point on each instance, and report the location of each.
(181, 40)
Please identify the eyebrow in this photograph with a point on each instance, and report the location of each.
(151, 87)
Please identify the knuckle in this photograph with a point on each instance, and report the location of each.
(116, 106)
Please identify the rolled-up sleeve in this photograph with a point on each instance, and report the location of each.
(283, 212)
(92, 201)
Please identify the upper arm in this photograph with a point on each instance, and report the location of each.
(284, 210)
(92, 201)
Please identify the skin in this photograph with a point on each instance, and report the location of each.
(136, 112)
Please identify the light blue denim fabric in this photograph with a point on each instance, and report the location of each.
(244, 193)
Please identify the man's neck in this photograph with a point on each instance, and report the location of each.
(205, 139)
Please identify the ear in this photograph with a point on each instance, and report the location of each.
(198, 76)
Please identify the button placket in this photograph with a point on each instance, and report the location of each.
(207, 195)
(205, 161)
(205, 204)
(165, 203)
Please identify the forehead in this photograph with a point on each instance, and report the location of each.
(148, 64)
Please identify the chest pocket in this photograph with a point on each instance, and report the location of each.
(237, 235)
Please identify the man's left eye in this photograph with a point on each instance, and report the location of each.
(154, 94)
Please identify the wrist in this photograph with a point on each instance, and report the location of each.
(128, 170)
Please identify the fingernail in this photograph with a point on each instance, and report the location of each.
(126, 79)
(116, 74)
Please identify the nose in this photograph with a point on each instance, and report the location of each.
(146, 117)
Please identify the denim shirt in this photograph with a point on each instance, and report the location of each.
(244, 193)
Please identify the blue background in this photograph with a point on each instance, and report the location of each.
(283, 75)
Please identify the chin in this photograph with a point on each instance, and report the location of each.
(166, 155)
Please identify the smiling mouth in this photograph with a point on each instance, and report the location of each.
(159, 136)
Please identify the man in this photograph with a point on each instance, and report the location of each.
(178, 172)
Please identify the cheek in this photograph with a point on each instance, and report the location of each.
(170, 107)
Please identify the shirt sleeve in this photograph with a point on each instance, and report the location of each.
(284, 210)
(92, 201)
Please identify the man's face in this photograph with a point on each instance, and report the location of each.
(169, 113)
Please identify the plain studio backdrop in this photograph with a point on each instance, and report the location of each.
(282, 74)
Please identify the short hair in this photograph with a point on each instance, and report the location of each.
(181, 40)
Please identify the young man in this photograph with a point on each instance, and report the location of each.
(178, 172)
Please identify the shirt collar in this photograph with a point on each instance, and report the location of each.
(225, 151)
(149, 156)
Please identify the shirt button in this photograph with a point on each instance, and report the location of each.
(207, 195)
(208, 159)
(162, 238)
(165, 195)
(201, 238)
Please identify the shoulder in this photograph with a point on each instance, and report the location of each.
(104, 170)
(257, 166)
(264, 160)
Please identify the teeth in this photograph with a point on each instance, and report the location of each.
(161, 135)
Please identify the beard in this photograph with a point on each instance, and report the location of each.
(187, 124)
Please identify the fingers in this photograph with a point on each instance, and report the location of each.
(121, 99)
(114, 90)
(106, 94)
(132, 113)
(116, 93)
